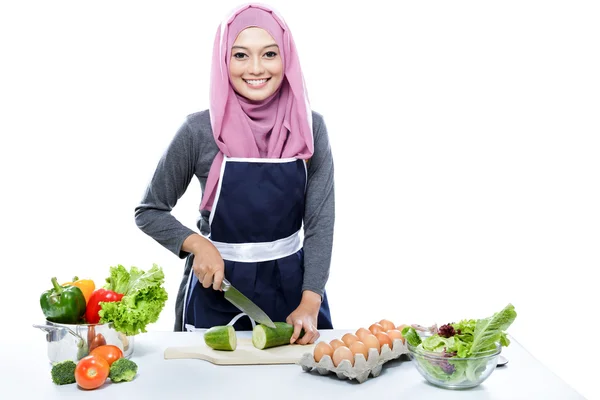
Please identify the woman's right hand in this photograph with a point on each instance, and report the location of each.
(208, 265)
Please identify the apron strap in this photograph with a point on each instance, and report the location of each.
(240, 315)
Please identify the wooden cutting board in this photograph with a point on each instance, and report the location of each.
(244, 354)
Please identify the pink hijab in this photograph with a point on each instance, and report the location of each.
(277, 127)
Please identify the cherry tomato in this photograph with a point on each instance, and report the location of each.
(91, 372)
(109, 352)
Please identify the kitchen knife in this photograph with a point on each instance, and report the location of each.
(236, 298)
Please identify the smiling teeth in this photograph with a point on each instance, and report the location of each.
(257, 82)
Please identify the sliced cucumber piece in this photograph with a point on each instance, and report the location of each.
(221, 338)
(264, 337)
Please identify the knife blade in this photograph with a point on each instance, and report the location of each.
(245, 305)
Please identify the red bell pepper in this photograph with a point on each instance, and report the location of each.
(93, 305)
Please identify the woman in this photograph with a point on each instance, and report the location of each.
(266, 172)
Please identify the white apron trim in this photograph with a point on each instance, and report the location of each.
(263, 251)
(185, 297)
(218, 194)
(192, 328)
(306, 176)
(260, 160)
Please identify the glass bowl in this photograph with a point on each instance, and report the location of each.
(452, 372)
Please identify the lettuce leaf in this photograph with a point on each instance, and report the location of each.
(464, 339)
(466, 327)
(121, 280)
(474, 368)
(144, 299)
(490, 330)
(411, 336)
(438, 343)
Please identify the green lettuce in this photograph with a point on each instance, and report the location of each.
(438, 344)
(144, 298)
(411, 336)
(490, 330)
(121, 280)
(464, 339)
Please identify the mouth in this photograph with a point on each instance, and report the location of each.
(256, 83)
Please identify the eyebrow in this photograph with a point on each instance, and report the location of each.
(245, 48)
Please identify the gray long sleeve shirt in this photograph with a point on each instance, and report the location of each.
(191, 153)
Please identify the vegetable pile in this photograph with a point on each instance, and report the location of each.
(130, 300)
(92, 371)
(462, 340)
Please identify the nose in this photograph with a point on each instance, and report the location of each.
(256, 67)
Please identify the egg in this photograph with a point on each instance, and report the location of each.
(349, 338)
(384, 339)
(335, 343)
(360, 332)
(395, 334)
(372, 342)
(342, 353)
(376, 327)
(360, 348)
(387, 324)
(322, 349)
(402, 326)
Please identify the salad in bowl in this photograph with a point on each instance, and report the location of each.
(462, 354)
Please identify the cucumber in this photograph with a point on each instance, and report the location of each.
(264, 337)
(221, 338)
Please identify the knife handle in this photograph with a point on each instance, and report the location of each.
(225, 285)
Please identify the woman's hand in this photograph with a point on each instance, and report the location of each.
(208, 264)
(305, 317)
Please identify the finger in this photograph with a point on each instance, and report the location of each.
(309, 334)
(314, 335)
(198, 271)
(207, 280)
(218, 279)
(200, 276)
(297, 330)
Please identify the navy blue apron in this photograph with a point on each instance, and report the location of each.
(256, 224)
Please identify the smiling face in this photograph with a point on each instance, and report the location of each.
(255, 67)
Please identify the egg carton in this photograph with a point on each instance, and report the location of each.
(362, 369)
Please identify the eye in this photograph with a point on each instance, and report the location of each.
(239, 55)
(270, 54)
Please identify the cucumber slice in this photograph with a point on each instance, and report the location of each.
(221, 338)
(264, 337)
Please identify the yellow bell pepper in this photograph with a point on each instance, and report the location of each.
(87, 286)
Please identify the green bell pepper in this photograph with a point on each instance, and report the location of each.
(63, 304)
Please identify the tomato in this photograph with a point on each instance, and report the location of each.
(91, 372)
(109, 352)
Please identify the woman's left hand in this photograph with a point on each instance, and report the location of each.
(305, 317)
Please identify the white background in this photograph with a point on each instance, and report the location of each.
(465, 137)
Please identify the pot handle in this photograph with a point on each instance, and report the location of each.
(49, 328)
(46, 328)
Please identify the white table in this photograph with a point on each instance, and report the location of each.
(522, 378)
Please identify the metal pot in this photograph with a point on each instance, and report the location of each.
(75, 341)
